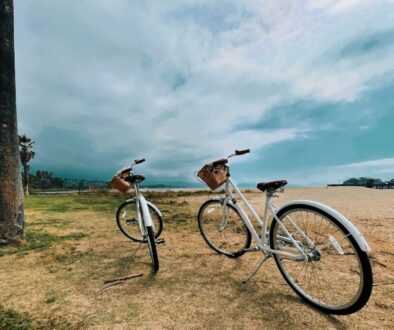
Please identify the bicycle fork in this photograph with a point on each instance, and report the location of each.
(147, 219)
(145, 211)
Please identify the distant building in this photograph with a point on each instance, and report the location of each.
(362, 181)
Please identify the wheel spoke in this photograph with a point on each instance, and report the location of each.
(332, 278)
(222, 228)
(127, 218)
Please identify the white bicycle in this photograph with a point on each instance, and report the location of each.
(138, 219)
(320, 253)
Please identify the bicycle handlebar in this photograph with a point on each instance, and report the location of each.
(130, 168)
(220, 162)
(241, 152)
(223, 161)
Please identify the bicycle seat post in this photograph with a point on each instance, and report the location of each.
(136, 189)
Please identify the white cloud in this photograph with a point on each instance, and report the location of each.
(379, 168)
(377, 163)
(167, 80)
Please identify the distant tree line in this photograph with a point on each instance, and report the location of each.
(46, 180)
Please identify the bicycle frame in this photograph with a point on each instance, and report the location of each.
(263, 223)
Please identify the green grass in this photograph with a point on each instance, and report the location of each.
(39, 240)
(13, 320)
(54, 222)
(72, 203)
(175, 215)
(102, 202)
(108, 203)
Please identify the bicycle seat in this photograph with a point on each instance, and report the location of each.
(135, 178)
(263, 186)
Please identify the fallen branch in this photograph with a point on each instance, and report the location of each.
(273, 283)
(123, 278)
(105, 288)
(379, 263)
(379, 284)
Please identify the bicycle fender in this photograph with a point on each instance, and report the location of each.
(145, 211)
(149, 204)
(155, 208)
(341, 218)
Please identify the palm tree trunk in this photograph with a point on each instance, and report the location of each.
(11, 193)
(26, 180)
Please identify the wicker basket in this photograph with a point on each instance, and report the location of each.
(214, 179)
(119, 184)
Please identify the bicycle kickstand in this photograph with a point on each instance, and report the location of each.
(264, 259)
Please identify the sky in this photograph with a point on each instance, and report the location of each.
(308, 86)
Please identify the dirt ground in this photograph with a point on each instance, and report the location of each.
(58, 284)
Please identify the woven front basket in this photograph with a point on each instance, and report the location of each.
(119, 184)
(214, 179)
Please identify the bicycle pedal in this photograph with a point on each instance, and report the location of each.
(160, 241)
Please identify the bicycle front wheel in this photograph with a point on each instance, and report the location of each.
(337, 277)
(223, 229)
(152, 248)
(127, 221)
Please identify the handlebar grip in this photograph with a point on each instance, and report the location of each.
(220, 162)
(242, 152)
(139, 161)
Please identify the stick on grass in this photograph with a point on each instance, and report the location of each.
(123, 278)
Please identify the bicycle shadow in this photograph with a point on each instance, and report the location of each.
(274, 301)
(277, 299)
(137, 261)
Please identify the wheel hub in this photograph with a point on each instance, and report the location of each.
(314, 256)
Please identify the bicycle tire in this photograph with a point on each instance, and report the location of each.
(151, 240)
(350, 285)
(238, 230)
(130, 229)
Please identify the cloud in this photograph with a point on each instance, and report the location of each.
(378, 163)
(365, 45)
(380, 168)
(181, 84)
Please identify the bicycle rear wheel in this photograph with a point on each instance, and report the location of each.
(126, 219)
(337, 278)
(223, 229)
(152, 248)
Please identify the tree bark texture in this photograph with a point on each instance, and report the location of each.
(11, 192)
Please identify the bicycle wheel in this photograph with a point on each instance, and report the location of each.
(337, 278)
(152, 248)
(222, 228)
(126, 219)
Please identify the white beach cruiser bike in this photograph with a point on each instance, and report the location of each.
(320, 253)
(138, 219)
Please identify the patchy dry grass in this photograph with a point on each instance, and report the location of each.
(53, 279)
